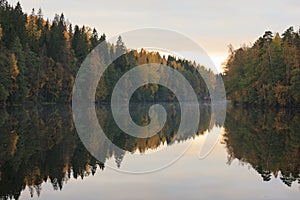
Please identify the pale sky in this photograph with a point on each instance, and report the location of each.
(212, 24)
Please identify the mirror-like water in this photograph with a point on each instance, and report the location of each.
(257, 157)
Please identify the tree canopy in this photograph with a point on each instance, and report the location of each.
(266, 73)
(40, 58)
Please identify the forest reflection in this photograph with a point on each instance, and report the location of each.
(266, 139)
(40, 144)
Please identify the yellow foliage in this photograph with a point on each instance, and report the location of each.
(0, 32)
(32, 27)
(14, 67)
(281, 94)
(14, 141)
(67, 36)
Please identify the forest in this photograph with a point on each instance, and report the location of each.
(40, 58)
(266, 73)
(39, 61)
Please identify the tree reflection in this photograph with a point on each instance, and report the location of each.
(268, 140)
(40, 144)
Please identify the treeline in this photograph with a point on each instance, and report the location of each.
(154, 92)
(266, 73)
(39, 60)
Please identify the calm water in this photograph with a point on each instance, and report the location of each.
(257, 157)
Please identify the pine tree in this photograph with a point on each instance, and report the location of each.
(80, 43)
(21, 81)
(121, 63)
(262, 74)
(5, 81)
(33, 32)
(94, 39)
(14, 72)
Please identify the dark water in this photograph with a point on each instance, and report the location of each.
(257, 157)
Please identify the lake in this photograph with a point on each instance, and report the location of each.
(257, 156)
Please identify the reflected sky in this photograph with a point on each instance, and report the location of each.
(40, 147)
(188, 178)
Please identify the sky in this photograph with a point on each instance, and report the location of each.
(212, 24)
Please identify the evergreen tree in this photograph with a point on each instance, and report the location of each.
(262, 74)
(33, 32)
(94, 39)
(14, 72)
(21, 81)
(80, 43)
(4, 76)
(39, 60)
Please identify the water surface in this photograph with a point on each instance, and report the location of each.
(257, 157)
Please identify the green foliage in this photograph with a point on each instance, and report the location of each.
(80, 43)
(264, 74)
(154, 92)
(3, 94)
(295, 85)
(21, 93)
(5, 80)
(39, 61)
(13, 21)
